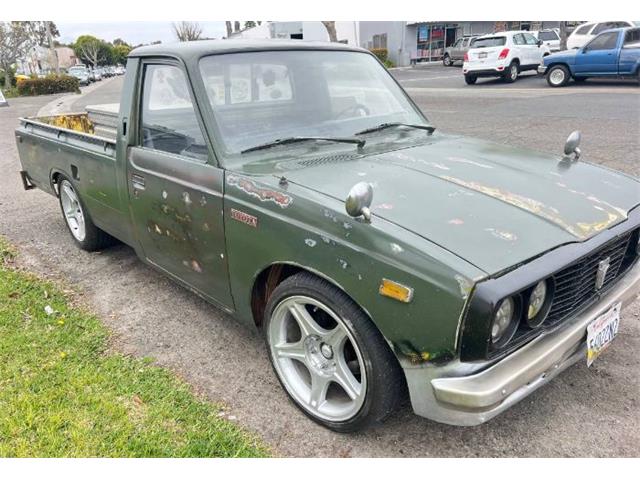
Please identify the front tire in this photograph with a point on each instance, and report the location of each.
(82, 229)
(558, 76)
(329, 357)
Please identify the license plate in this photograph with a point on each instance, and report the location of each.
(601, 332)
(482, 55)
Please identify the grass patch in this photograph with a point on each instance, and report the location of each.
(61, 395)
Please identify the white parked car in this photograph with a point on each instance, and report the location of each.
(503, 54)
(586, 31)
(551, 38)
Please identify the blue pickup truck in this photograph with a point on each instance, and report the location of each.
(614, 53)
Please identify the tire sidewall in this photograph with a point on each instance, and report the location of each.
(349, 313)
(508, 73)
(93, 237)
(447, 62)
(550, 73)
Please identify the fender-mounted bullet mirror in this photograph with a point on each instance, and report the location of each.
(359, 200)
(572, 144)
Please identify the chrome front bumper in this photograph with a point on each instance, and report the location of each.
(542, 69)
(470, 393)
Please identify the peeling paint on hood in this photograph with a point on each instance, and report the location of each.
(507, 204)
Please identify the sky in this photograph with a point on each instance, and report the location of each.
(134, 33)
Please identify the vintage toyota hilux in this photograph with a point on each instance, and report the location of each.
(296, 186)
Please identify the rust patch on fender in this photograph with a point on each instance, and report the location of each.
(263, 194)
(581, 230)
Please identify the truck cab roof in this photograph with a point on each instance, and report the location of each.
(201, 48)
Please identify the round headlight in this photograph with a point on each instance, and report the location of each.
(537, 303)
(504, 322)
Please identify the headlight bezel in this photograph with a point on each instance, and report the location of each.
(513, 325)
(538, 319)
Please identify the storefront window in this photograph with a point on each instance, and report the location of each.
(433, 39)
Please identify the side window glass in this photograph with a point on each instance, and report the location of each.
(605, 41)
(601, 27)
(584, 29)
(632, 39)
(167, 118)
(530, 39)
(518, 39)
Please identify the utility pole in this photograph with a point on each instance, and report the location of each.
(52, 51)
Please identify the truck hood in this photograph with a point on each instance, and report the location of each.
(567, 56)
(493, 205)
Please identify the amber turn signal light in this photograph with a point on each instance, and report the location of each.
(395, 290)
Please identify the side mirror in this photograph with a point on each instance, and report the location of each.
(539, 43)
(359, 200)
(572, 144)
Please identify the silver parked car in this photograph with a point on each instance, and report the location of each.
(455, 52)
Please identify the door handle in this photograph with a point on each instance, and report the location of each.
(137, 181)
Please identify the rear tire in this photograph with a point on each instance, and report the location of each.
(76, 216)
(470, 79)
(558, 76)
(446, 61)
(323, 346)
(511, 73)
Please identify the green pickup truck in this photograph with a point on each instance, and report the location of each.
(297, 187)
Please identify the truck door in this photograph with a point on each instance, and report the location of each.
(630, 53)
(599, 56)
(175, 189)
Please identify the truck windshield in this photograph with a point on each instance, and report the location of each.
(260, 97)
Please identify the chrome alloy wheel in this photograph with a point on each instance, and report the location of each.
(317, 359)
(557, 76)
(72, 210)
(513, 73)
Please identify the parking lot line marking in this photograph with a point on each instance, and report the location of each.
(538, 91)
(424, 79)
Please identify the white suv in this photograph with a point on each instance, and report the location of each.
(586, 31)
(503, 54)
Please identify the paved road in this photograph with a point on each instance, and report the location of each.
(584, 412)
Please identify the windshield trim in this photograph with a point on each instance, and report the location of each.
(223, 158)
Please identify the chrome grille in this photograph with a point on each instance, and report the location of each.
(576, 284)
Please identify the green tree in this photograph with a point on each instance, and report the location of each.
(89, 49)
(119, 41)
(16, 38)
(249, 24)
(120, 52)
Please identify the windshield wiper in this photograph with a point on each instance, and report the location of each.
(384, 126)
(288, 140)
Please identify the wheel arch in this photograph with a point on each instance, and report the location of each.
(267, 279)
(558, 63)
(54, 179)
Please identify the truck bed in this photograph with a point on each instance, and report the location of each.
(68, 145)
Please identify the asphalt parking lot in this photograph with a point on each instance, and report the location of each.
(583, 412)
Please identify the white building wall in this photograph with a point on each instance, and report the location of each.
(347, 32)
